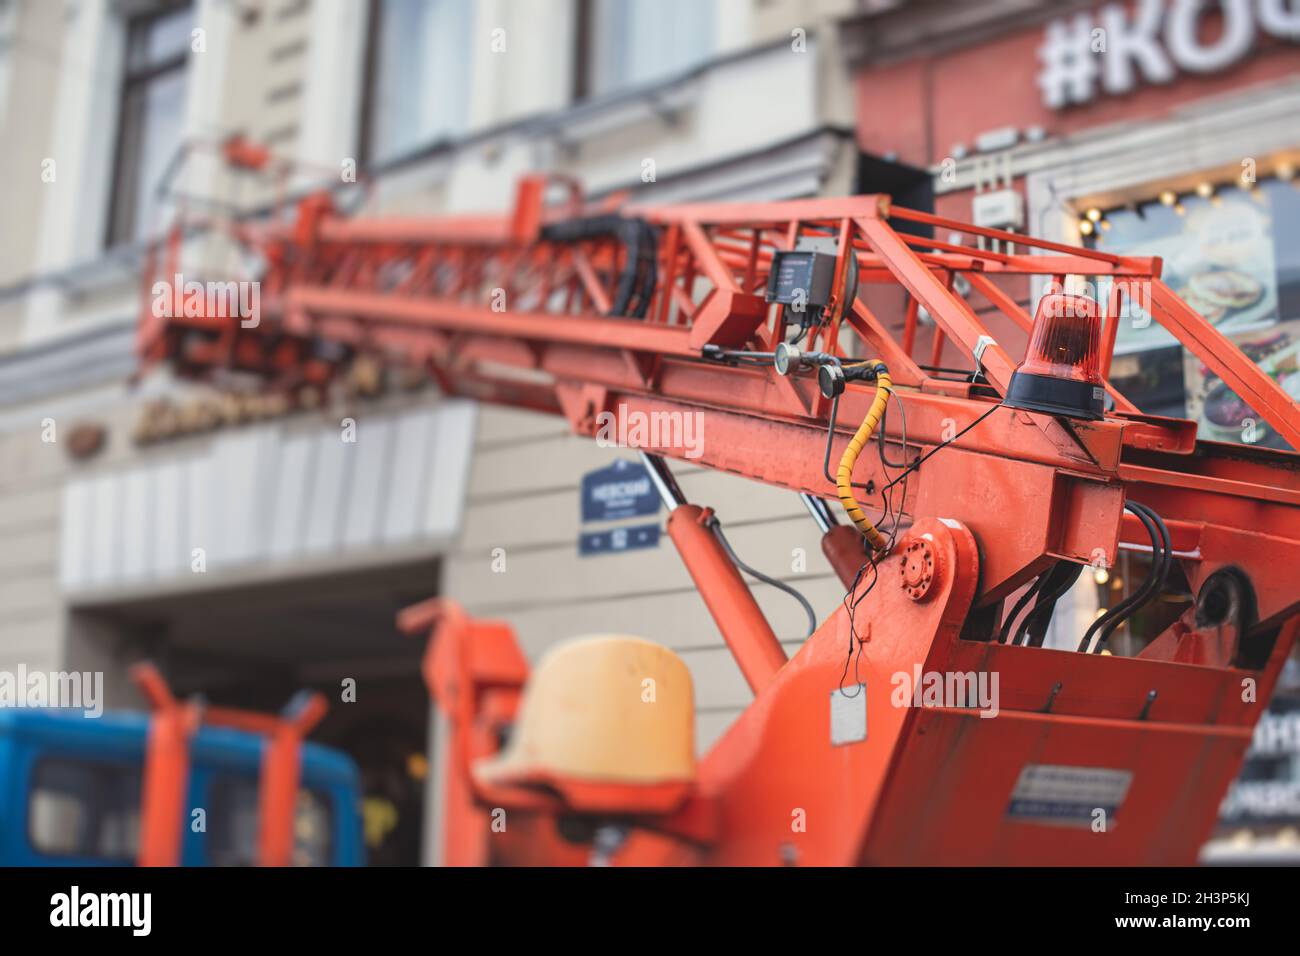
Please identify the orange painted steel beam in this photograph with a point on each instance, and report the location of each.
(164, 814)
(1259, 390)
(303, 303)
(1138, 267)
(951, 313)
(277, 797)
(474, 671)
(1002, 235)
(757, 651)
(166, 776)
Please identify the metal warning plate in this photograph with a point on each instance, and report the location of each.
(1067, 796)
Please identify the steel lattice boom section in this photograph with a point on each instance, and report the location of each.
(510, 310)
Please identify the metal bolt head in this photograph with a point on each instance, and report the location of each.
(918, 568)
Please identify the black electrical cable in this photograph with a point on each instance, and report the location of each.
(1154, 579)
(1085, 642)
(880, 434)
(902, 410)
(1033, 629)
(851, 607)
(1116, 616)
(944, 444)
(1050, 581)
(1030, 593)
(1161, 560)
(850, 602)
(716, 528)
(1168, 543)
(887, 494)
(830, 443)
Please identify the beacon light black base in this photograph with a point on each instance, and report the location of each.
(1056, 396)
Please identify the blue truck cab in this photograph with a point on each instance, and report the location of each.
(70, 794)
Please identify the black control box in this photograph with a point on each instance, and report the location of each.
(801, 277)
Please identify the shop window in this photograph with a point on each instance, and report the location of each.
(150, 118)
(626, 43)
(1233, 254)
(233, 824)
(84, 810)
(417, 75)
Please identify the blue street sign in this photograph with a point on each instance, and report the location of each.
(623, 490)
(618, 539)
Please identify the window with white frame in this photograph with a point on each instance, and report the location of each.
(633, 42)
(151, 118)
(418, 75)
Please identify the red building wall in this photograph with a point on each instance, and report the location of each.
(921, 108)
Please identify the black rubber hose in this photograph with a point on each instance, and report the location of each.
(1160, 561)
(1030, 593)
(1045, 598)
(636, 281)
(716, 528)
(1159, 573)
(1168, 543)
(1040, 620)
(1121, 610)
(1033, 629)
(830, 443)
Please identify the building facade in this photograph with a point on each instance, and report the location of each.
(254, 553)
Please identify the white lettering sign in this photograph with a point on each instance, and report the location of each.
(1117, 49)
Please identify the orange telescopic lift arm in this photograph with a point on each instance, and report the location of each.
(164, 814)
(623, 309)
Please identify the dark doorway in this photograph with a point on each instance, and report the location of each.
(255, 645)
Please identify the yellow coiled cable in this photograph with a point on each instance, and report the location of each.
(844, 475)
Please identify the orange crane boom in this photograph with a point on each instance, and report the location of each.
(755, 318)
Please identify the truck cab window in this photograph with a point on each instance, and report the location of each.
(85, 810)
(233, 824)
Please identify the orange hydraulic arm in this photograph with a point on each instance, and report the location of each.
(621, 312)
